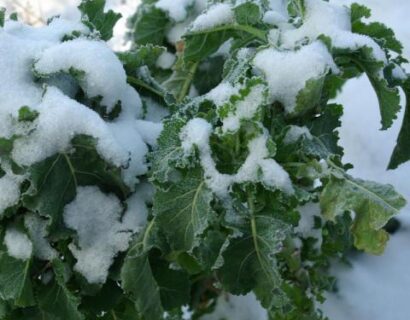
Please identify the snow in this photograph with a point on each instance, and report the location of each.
(231, 307)
(18, 244)
(257, 166)
(10, 188)
(60, 117)
(96, 218)
(37, 230)
(295, 133)
(177, 9)
(221, 93)
(104, 75)
(177, 31)
(275, 18)
(288, 71)
(149, 131)
(165, 60)
(216, 15)
(332, 20)
(245, 109)
(305, 228)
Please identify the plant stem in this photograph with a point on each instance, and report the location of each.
(187, 83)
(142, 84)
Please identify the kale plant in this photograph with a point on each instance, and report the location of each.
(203, 161)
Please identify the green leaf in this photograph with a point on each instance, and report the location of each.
(247, 13)
(15, 279)
(401, 152)
(209, 74)
(383, 35)
(183, 211)
(373, 204)
(250, 262)
(207, 252)
(138, 281)
(26, 114)
(54, 180)
(358, 11)
(2, 17)
(309, 97)
(296, 8)
(324, 127)
(169, 151)
(201, 44)
(388, 97)
(149, 25)
(93, 16)
(174, 285)
(182, 76)
(144, 55)
(3, 309)
(6, 146)
(56, 299)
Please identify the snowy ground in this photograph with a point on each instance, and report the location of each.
(375, 288)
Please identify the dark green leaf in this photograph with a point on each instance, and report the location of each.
(401, 152)
(309, 96)
(248, 13)
(358, 11)
(174, 285)
(168, 152)
(325, 127)
(56, 299)
(149, 25)
(26, 114)
(250, 263)
(54, 180)
(383, 35)
(93, 15)
(184, 211)
(201, 44)
(138, 281)
(2, 16)
(15, 279)
(144, 55)
(389, 98)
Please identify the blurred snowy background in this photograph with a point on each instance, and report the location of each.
(374, 288)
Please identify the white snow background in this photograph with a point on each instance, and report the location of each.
(374, 288)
